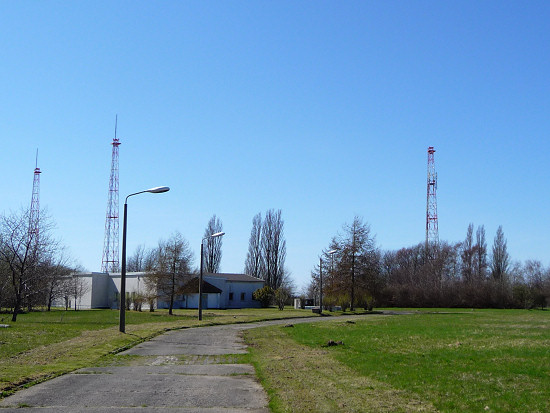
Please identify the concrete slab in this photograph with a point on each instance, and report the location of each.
(193, 369)
(193, 341)
(153, 384)
(142, 390)
(61, 409)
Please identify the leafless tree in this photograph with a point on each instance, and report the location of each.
(55, 270)
(20, 253)
(78, 288)
(138, 261)
(538, 281)
(213, 246)
(169, 267)
(467, 255)
(273, 247)
(5, 285)
(254, 264)
(500, 258)
(481, 253)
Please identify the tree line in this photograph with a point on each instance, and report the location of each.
(357, 273)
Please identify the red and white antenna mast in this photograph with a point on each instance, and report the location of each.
(110, 261)
(34, 216)
(432, 229)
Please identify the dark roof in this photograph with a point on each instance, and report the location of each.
(192, 287)
(236, 277)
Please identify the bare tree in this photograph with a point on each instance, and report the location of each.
(20, 252)
(273, 246)
(467, 255)
(481, 253)
(138, 260)
(535, 277)
(170, 266)
(6, 290)
(213, 246)
(55, 270)
(78, 288)
(500, 258)
(254, 264)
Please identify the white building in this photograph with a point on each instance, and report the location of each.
(101, 290)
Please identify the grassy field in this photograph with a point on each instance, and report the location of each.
(450, 361)
(41, 345)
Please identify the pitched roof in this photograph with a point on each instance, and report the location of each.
(192, 287)
(236, 277)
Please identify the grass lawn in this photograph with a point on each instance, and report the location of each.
(41, 345)
(450, 361)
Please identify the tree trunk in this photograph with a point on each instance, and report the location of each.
(172, 292)
(16, 307)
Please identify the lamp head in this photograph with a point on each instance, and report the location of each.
(158, 189)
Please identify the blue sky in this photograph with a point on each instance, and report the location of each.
(323, 109)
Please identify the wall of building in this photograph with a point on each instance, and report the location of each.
(231, 296)
(101, 290)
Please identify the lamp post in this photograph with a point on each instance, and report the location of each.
(320, 285)
(217, 234)
(122, 317)
(321, 274)
(331, 252)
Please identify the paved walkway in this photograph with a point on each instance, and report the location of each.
(159, 380)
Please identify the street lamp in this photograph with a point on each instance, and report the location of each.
(320, 285)
(321, 278)
(217, 234)
(122, 318)
(331, 252)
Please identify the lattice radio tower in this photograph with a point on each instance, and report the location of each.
(34, 216)
(432, 230)
(110, 261)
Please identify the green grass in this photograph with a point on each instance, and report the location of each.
(41, 345)
(455, 361)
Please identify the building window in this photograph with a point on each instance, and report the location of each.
(230, 296)
(242, 296)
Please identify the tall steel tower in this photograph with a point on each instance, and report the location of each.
(110, 261)
(34, 216)
(432, 230)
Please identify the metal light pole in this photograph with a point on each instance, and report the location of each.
(217, 234)
(122, 316)
(320, 285)
(331, 252)
(331, 269)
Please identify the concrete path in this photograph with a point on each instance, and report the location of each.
(178, 372)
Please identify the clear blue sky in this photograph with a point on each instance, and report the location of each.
(323, 109)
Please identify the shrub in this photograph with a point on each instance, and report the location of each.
(281, 297)
(263, 295)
